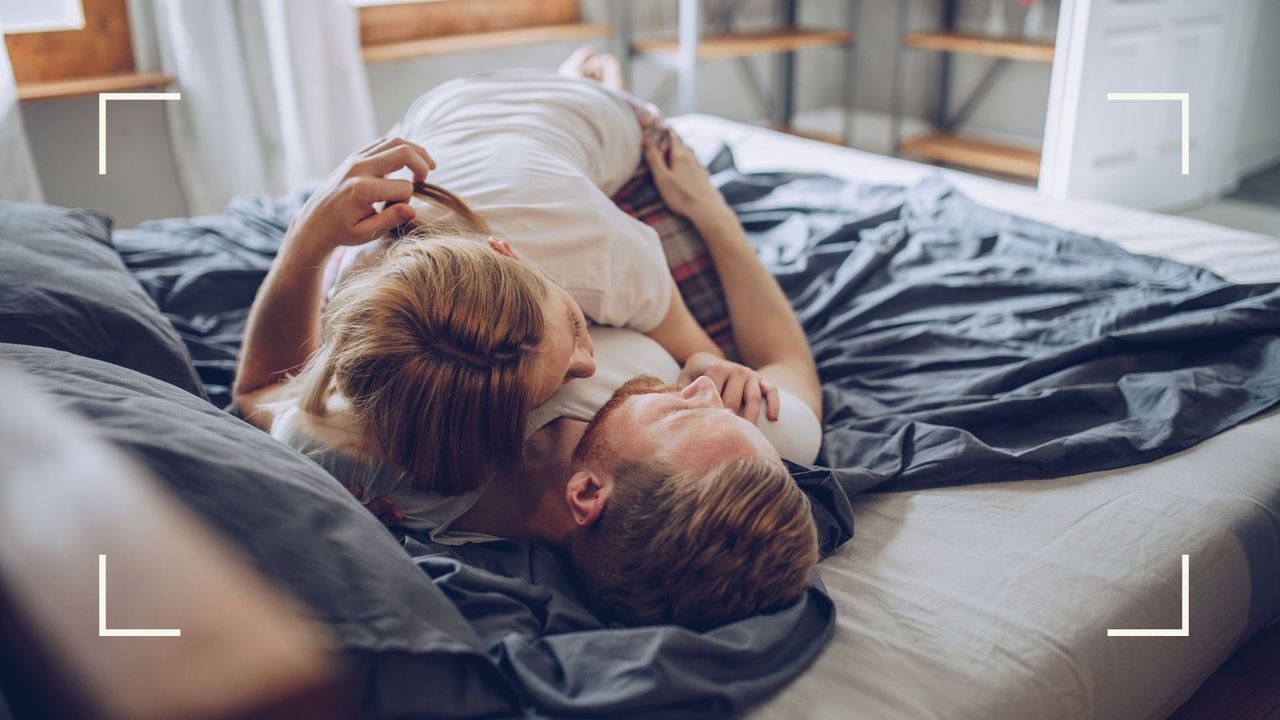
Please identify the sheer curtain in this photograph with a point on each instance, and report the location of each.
(18, 179)
(274, 92)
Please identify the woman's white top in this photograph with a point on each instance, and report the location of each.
(538, 156)
(329, 442)
(623, 354)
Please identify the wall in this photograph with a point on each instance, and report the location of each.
(64, 133)
(141, 180)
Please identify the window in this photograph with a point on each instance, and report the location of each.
(95, 55)
(20, 16)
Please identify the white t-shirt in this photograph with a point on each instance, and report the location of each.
(329, 442)
(538, 156)
(623, 354)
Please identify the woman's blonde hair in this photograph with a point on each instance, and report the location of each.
(433, 348)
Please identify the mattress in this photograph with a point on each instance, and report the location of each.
(994, 600)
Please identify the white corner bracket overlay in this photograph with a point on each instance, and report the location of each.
(1183, 631)
(1185, 99)
(102, 117)
(103, 630)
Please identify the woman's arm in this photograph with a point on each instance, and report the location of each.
(284, 321)
(768, 335)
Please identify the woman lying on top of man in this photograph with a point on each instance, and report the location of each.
(503, 353)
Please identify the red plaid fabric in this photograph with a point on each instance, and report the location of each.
(687, 255)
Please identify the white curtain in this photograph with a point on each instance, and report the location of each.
(274, 92)
(18, 179)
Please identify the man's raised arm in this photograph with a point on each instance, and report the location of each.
(768, 335)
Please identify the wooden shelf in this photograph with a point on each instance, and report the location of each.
(956, 149)
(740, 44)
(400, 50)
(91, 85)
(957, 42)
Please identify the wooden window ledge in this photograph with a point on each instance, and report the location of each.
(49, 89)
(465, 42)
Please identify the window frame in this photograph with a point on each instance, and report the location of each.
(103, 47)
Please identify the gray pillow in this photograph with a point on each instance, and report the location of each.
(410, 652)
(63, 286)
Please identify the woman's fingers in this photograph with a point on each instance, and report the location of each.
(387, 161)
(387, 143)
(733, 390)
(751, 402)
(393, 215)
(719, 375)
(370, 190)
(772, 401)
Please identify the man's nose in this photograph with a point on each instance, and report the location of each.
(702, 392)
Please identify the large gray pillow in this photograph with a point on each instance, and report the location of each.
(410, 652)
(63, 286)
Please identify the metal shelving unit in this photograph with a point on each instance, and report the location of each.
(693, 45)
(947, 143)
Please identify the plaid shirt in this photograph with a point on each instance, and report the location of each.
(687, 255)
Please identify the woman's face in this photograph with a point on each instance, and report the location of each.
(566, 351)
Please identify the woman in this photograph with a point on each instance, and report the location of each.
(427, 363)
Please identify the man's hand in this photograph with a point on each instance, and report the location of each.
(684, 184)
(742, 389)
(341, 212)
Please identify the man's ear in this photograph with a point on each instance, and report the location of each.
(587, 493)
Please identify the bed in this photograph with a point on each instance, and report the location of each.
(984, 600)
(994, 600)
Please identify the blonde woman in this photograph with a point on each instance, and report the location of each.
(420, 378)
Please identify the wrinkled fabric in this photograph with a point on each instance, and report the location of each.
(527, 608)
(203, 273)
(62, 286)
(957, 344)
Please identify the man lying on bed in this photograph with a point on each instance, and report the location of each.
(664, 466)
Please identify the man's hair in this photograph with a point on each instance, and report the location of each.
(697, 550)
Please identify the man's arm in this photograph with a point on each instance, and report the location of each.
(284, 321)
(767, 333)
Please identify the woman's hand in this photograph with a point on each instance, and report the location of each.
(685, 185)
(742, 389)
(340, 211)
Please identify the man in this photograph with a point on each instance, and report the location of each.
(672, 508)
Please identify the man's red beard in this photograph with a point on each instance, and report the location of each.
(590, 446)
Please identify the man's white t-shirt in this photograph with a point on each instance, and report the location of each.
(538, 156)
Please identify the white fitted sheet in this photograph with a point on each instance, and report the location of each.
(993, 600)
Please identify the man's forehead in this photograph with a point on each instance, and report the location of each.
(709, 437)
